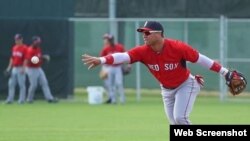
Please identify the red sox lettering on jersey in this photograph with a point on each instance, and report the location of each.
(169, 65)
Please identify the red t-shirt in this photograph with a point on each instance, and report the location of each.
(18, 54)
(33, 51)
(168, 66)
(110, 50)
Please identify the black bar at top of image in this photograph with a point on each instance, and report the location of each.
(215, 132)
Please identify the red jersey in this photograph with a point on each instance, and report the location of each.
(169, 65)
(18, 55)
(33, 51)
(109, 50)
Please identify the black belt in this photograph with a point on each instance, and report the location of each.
(17, 65)
(170, 88)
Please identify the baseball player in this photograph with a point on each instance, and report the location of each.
(166, 59)
(17, 70)
(114, 80)
(35, 73)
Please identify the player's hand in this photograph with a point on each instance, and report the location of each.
(7, 72)
(8, 69)
(46, 57)
(91, 61)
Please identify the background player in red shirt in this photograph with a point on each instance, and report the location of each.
(114, 80)
(35, 73)
(166, 60)
(17, 70)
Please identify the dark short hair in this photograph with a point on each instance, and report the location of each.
(18, 36)
(36, 39)
(108, 36)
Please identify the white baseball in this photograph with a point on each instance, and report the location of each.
(34, 59)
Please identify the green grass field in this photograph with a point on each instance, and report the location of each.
(76, 120)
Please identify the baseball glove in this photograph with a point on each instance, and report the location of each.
(7, 73)
(126, 69)
(236, 82)
(103, 74)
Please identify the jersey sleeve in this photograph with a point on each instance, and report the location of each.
(135, 54)
(188, 52)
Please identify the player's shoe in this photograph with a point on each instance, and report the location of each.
(30, 101)
(55, 100)
(8, 102)
(20, 102)
(109, 101)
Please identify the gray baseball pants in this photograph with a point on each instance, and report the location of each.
(17, 76)
(179, 102)
(37, 76)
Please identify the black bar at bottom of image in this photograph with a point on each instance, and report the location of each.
(178, 132)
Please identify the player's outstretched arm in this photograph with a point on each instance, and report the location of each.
(8, 69)
(9, 66)
(211, 65)
(235, 80)
(91, 61)
(116, 58)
